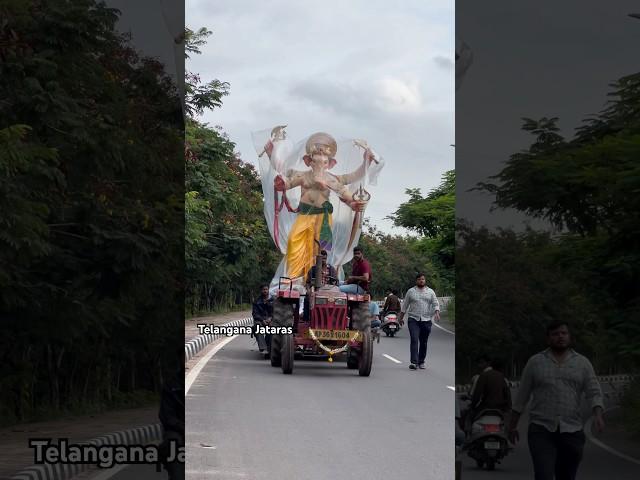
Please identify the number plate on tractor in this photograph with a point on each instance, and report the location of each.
(344, 335)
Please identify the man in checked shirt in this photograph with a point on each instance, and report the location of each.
(421, 305)
(555, 380)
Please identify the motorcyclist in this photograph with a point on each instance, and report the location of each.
(492, 391)
(483, 364)
(391, 303)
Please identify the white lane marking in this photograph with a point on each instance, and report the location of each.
(451, 388)
(193, 374)
(587, 430)
(442, 328)
(391, 358)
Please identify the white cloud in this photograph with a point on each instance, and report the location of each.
(397, 95)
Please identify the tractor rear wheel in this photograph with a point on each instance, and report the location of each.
(360, 317)
(288, 351)
(276, 342)
(366, 354)
(282, 313)
(282, 354)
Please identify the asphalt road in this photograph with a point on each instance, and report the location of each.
(597, 463)
(245, 419)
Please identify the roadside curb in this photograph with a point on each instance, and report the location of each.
(196, 344)
(135, 436)
(142, 435)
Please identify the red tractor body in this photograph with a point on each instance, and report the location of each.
(332, 324)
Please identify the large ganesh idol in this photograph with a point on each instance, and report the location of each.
(315, 195)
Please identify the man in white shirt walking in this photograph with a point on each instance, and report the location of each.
(555, 380)
(421, 306)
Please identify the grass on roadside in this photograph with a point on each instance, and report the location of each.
(218, 310)
(77, 408)
(631, 408)
(451, 310)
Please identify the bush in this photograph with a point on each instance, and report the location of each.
(451, 310)
(631, 408)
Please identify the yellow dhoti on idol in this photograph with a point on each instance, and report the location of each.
(310, 233)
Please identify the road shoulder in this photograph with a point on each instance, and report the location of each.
(615, 438)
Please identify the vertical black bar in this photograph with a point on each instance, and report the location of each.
(547, 149)
(91, 223)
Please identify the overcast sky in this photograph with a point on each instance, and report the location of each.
(532, 59)
(375, 69)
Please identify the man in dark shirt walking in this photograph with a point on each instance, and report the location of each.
(262, 314)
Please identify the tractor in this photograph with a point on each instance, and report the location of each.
(333, 324)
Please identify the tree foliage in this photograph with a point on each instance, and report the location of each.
(201, 96)
(587, 188)
(90, 215)
(510, 286)
(395, 260)
(433, 217)
(228, 250)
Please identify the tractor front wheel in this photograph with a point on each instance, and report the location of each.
(288, 351)
(276, 358)
(366, 354)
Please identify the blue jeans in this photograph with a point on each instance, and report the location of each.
(351, 288)
(263, 340)
(554, 454)
(419, 332)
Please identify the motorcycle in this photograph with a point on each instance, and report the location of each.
(390, 324)
(487, 442)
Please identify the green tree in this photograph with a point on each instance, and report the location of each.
(433, 217)
(90, 212)
(587, 188)
(395, 260)
(587, 272)
(200, 96)
(510, 286)
(228, 249)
